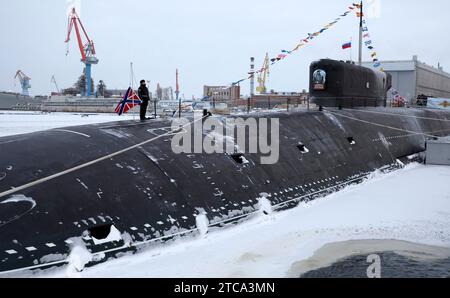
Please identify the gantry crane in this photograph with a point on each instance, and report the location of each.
(87, 49)
(263, 75)
(24, 82)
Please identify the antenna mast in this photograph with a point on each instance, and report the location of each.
(177, 92)
(360, 33)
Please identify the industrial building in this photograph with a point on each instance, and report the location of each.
(276, 99)
(117, 92)
(164, 93)
(413, 78)
(222, 93)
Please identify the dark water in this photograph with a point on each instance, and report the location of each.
(392, 266)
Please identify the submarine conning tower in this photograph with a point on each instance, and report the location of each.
(339, 84)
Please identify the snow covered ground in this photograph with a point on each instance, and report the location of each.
(412, 204)
(13, 123)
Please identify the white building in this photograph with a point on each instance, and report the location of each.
(412, 78)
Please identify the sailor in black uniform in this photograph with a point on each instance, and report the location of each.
(144, 95)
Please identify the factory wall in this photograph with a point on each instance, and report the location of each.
(404, 83)
(432, 82)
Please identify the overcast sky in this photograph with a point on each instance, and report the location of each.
(210, 41)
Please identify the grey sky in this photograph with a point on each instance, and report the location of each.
(210, 41)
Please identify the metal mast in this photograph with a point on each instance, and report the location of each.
(360, 34)
(252, 76)
(252, 82)
(177, 93)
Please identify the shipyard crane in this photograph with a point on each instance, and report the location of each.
(24, 82)
(53, 80)
(87, 49)
(263, 75)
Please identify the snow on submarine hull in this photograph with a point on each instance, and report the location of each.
(148, 194)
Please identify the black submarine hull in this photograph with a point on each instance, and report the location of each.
(132, 180)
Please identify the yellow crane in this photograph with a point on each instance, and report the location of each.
(263, 75)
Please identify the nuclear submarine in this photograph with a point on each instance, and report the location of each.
(118, 188)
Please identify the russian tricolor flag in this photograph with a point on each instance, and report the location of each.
(347, 45)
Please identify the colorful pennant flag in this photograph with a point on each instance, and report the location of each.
(298, 47)
(238, 82)
(369, 46)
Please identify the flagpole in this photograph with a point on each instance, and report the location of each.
(351, 49)
(177, 92)
(132, 86)
(360, 34)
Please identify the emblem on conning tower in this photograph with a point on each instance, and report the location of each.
(319, 79)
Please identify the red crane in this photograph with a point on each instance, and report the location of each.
(87, 49)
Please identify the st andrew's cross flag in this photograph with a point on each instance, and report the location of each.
(129, 101)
